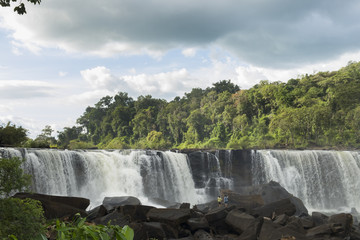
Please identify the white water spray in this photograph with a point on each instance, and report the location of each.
(324, 180)
(98, 173)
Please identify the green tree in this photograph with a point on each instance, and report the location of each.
(20, 8)
(11, 135)
(23, 219)
(12, 177)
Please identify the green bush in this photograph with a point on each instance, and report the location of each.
(12, 177)
(21, 218)
(79, 229)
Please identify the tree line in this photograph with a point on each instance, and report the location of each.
(311, 111)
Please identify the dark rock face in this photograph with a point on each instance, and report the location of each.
(58, 206)
(273, 209)
(240, 171)
(272, 192)
(169, 216)
(112, 202)
(275, 220)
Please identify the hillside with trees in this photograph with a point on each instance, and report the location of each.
(319, 110)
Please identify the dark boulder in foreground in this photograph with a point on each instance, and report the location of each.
(113, 202)
(246, 218)
(58, 206)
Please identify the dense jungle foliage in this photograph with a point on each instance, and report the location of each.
(318, 110)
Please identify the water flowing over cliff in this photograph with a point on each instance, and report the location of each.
(323, 180)
(97, 174)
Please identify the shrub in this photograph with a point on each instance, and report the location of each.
(12, 177)
(79, 229)
(22, 218)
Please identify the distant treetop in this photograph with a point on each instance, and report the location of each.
(20, 8)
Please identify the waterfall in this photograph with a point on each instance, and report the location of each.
(323, 180)
(96, 174)
(216, 178)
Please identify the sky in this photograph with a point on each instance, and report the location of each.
(64, 55)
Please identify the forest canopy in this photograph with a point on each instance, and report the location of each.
(318, 110)
(321, 110)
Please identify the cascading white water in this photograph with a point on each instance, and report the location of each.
(98, 173)
(215, 174)
(324, 180)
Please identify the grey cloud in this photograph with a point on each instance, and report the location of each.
(24, 91)
(278, 33)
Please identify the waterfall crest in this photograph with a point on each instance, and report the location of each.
(324, 180)
(96, 174)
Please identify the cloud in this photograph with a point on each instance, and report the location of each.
(163, 84)
(271, 34)
(189, 52)
(21, 89)
(62, 74)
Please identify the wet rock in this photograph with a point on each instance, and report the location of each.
(153, 230)
(270, 210)
(97, 212)
(281, 219)
(197, 223)
(136, 213)
(202, 235)
(173, 217)
(320, 231)
(239, 220)
(113, 202)
(185, 206)
(244, 201)
(319, 218)
(58, 206)
(342, 224)
(273, 192)
(216, 215)
(115, 218)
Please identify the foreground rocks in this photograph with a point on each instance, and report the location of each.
(266, 213)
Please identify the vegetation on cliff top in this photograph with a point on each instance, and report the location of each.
(318, 110)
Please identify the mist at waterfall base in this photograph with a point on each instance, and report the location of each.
(325, 181)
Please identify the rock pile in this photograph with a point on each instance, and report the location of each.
(247, 217)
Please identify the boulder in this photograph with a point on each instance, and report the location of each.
(239, 220)
(273, 209)
(173, 217)
(281, 219)
(202, 235)
(113, 202)
(272, 192)
(114, 218)
(136, 213)
(244, 224)
(215, 215)
(320, 231)
(244, 201)
(342, 224)
(97, 212)
(153, 230)
(185, 206)
(271, 231)
(197, 223)
(307, 222)
(319, 218)
(58, 206)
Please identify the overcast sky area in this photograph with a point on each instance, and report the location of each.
(64, 55)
